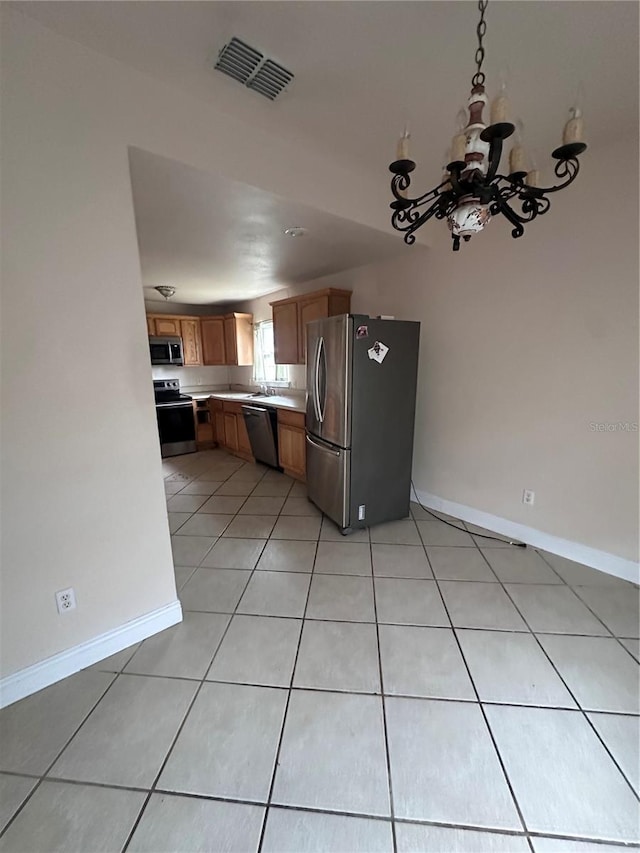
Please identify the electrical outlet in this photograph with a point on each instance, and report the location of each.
(528, 497)
(66, 600)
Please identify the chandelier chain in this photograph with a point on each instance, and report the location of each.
(481, 30)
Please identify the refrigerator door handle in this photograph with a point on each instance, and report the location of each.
(316, 381)
(322, 446)
(322, 402)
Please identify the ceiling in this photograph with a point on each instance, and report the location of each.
(363, 69)
(217, 240)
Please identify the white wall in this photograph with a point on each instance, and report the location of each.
(83, 502)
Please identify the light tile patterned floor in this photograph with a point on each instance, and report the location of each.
(410, 688)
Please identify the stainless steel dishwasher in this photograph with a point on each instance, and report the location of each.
(262, 428)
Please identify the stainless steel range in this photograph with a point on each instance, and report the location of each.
(176, 423)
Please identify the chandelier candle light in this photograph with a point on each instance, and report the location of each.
(471, 190)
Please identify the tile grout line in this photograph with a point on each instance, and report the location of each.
(217, 648)
(179, 731)
(383, 703)
(571, 693)
(251, 575)
(288, 700)
(595, 615)
(592, 611)
(482, 710)
(197, 692)
(369, 622)
(232, 517)
(290, 689)
(320, 811)
(48, 768)
(342, 692)
(254, 485)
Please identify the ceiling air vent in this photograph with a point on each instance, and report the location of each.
(238, 60)
(250, 67)
(270, 79)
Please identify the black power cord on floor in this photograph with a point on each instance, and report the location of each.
(455, 526)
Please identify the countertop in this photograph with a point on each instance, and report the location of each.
(278, 401)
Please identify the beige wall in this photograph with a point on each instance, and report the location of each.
(82, 498)
(524, 344)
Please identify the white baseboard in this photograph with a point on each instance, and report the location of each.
(33, 678)
(602, 560)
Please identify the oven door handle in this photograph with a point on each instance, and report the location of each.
(174, 405)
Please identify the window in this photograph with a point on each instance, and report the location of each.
(265, 368)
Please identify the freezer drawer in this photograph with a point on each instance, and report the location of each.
(328, 471)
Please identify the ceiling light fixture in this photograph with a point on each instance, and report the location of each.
(296, 231)
(165, 290)
(472, 191)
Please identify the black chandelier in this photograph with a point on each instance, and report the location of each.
(472, 190)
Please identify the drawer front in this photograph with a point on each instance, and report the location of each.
(216, 405)
(234, 408)
(294, 419)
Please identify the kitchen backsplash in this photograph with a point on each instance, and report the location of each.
(193, 377)
(244, 376)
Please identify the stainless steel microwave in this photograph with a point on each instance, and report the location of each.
(166, 351)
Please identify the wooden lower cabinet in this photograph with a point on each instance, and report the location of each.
(229, 428)
(292, 443)
(230, 431)
(244, 445)
(205, 436)
(217, 419)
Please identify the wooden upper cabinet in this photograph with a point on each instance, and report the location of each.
(213, 349)
(224, 339)
(285, 332)
(167, 326)
(290, 318)
(309, 309)
(191, 341)
(230, 345)
(238, 338)
(178, 325)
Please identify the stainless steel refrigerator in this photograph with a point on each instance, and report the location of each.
(361, 397)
